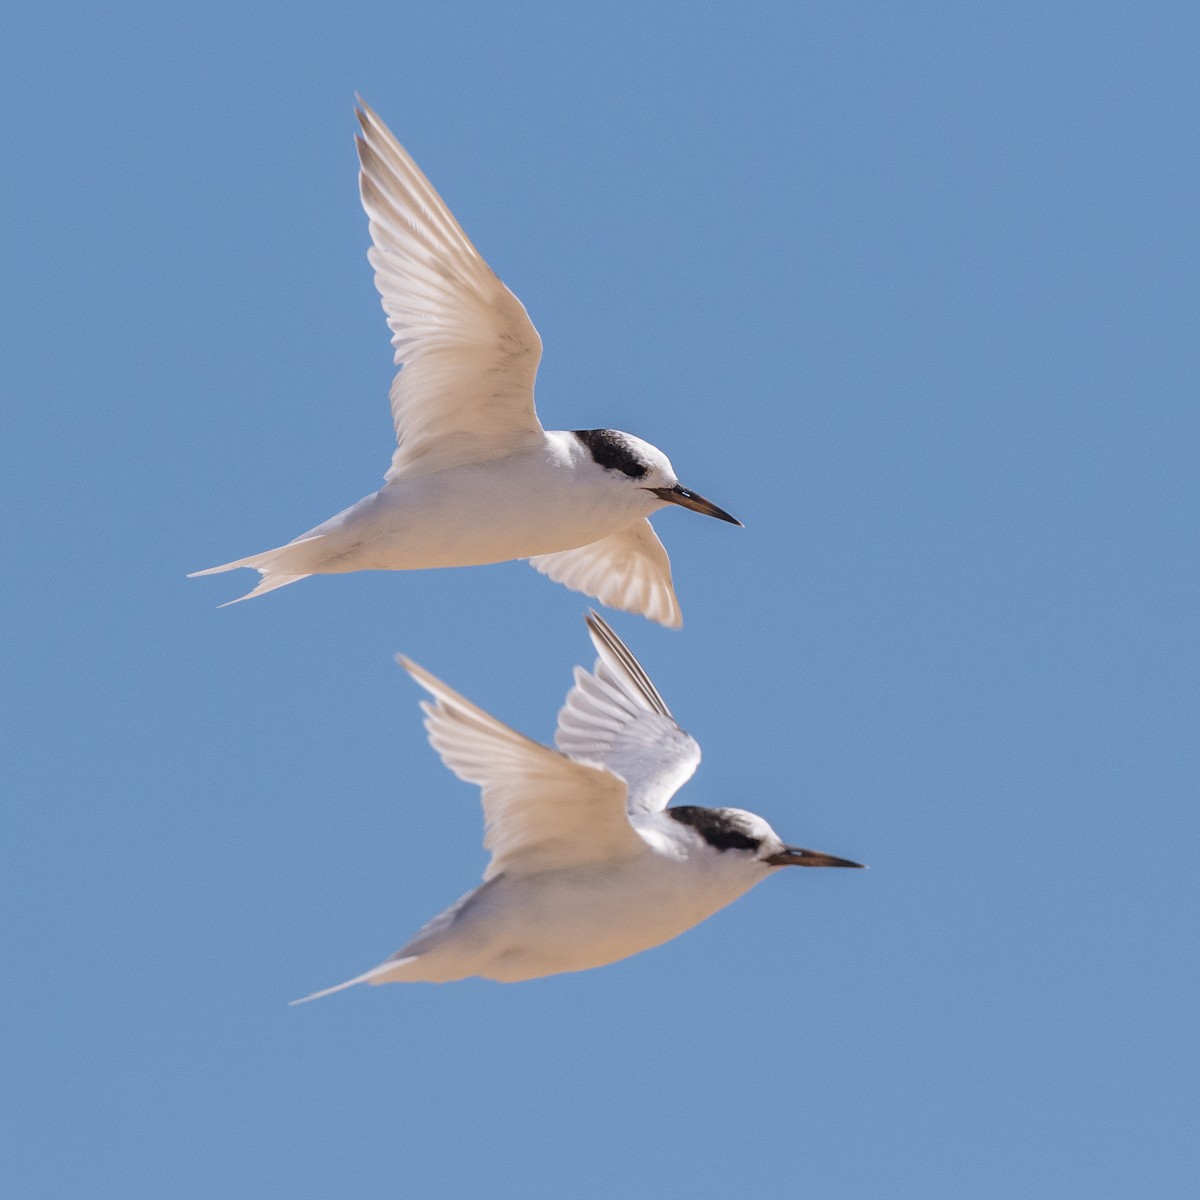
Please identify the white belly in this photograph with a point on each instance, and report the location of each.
(523, 927)
(485, 513)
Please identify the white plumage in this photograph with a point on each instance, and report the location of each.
(475, 478)
(588, 865)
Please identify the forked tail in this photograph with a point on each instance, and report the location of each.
(277, 567)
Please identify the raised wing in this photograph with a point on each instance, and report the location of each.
(615, 718)
(541, 810)
(629, 570)
(468, 350)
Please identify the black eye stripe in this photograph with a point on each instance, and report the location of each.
(610, 450)
(721, 829)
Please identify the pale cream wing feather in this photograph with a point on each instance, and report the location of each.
(467, 348)
(542, 810)
(628, 570)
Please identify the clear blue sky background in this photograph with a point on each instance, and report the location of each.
(911, 289)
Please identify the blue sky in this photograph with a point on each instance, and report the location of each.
(909, 289)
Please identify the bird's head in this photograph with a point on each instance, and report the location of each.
(647, 467)
(733, 830)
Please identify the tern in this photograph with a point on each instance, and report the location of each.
(475, 478)
(589, 865)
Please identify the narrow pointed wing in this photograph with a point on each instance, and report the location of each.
(629, 570)
(615, 718)
(541, 810)
(468, 350)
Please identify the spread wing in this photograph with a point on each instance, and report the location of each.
(615, 718)
(468, 349)
(542, 811)
(629, 570)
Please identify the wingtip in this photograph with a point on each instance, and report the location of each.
(673, 620)
(367, 121)
(370, 121)
(599, 629)
(423, 678)
(610, 648)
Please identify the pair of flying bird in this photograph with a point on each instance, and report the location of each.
(589, 865)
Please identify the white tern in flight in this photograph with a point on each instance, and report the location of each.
(589, 865)
(475, 478)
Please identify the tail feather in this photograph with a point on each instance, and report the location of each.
(268, 583)
(387, 972)
(277, 567)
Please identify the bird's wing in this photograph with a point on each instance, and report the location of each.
(629, 570)
(542, 811)
(615, 718)
(469, 352)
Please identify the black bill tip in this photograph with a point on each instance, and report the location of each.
(686, 498)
